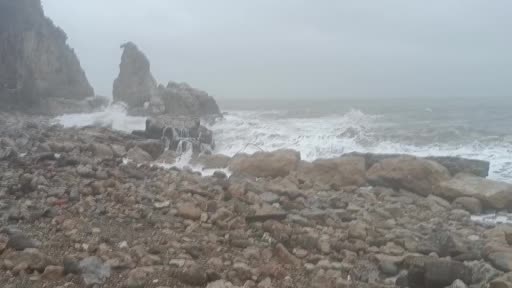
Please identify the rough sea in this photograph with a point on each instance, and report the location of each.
(472, 128)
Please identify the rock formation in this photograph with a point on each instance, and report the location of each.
(39, 72)
(137, 87)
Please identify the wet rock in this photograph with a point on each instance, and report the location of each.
(493, 194)
(93, 271)
(470, 204)
(216, 161)
(458, 165)
(411, 173)
(138, 155)
(155, 148)
(266, 164)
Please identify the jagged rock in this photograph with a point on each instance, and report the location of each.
(181, 99)
(337, 172)
(39, 72)
(135, 84)
(137, 87)
(411, 173)
(493, 194)
(266, 164)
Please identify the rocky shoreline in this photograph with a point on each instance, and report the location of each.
(75, 213)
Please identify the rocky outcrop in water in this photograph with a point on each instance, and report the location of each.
(39, 72)
(179, 134)
(137, 87)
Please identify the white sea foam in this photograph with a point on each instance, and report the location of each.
(331, 136)
(114, 116)
(319, 137)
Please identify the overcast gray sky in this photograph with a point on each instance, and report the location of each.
(299, 48)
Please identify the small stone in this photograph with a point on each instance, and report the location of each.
(285, 256)
(269, 197)
(243, 271)
(94, 271)
(138, 277)
(357, 230)
(189, 211)
(178, 263)
(20, 241)
(71, 265)
(53, 273)
(194, 275)
(160, 205)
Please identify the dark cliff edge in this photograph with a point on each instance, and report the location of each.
(39, 72)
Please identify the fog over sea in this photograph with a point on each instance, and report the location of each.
(472, 128)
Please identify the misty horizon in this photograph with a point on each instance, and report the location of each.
(299, 49)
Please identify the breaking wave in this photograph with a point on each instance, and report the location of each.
(328, 136)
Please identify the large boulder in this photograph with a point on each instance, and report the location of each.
(181, 99)
(135, 84)
(458, 165)
(493, 194)
(266, 164)
(336, 172)
(179, 134)
(455, 165)
(417, 175)
(39, 72)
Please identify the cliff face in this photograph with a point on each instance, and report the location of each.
(137, 87)
(38, 70)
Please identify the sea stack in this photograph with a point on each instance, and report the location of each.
(136, 87)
